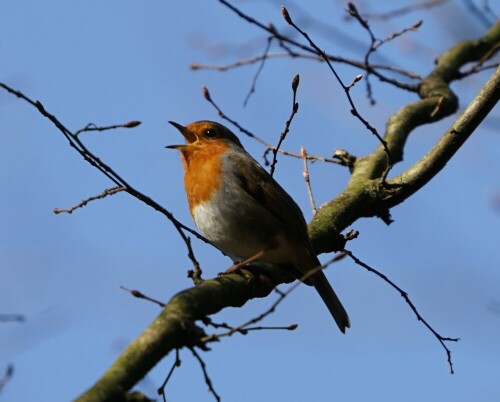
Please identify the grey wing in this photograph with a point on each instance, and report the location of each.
(270, 195)
(263, 188)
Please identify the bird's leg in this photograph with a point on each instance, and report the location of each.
(237, 266)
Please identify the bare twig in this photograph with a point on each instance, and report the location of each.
(479, 66)
(404, 10)
(141, 295)
(395, 35)
(259, 70)
(104, 194)
(208, 381)
(476, 69)
(177, 363)
(12, 318)
(209, 322)
(346, 88)
(196, 272)
(244, 331)
(487, 9)
(93, 127)
(375, 43)
(405, 296)
(295, 108)
(292, 327)
(305, 173)
(9, 372)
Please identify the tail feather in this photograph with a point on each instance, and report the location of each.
(325, 290)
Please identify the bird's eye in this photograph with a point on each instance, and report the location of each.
(211, 133)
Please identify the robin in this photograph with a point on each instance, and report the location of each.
(243, 211)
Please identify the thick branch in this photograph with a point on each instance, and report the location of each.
(366, 194)
(175, 327)
(410, 181)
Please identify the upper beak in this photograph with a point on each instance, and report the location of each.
(189, 136)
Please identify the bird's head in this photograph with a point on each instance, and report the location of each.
(203, 133)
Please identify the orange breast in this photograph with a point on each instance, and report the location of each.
(202, 171)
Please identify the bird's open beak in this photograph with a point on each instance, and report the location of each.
(188, 135)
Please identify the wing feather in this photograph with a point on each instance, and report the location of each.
(261, 186)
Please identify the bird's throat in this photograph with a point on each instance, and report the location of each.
(202, 172)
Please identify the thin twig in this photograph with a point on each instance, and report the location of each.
(141, 295)
(196, 273)
(479, 66)
(346, 88)
(405, 296)
(209, 322)
(244, 331)
(292, 327)
(259, 70)
(9, 372)
(487, 9)
(104, 194)
(93, 127)
(475, 69)
(208, 381)
(295, 108)
(375, 43)
(404, 10)
(12, 318)
(177, 363)
(307, 179)
(395, 35)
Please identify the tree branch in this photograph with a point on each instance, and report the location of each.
(366, 195)
(410, 181)
(175, 327)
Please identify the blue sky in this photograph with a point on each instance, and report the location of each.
(112, 62)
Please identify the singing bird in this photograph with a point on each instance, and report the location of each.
(238, 206)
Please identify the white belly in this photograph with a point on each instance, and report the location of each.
(236, 224)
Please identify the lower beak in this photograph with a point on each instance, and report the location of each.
(181, 129)
(179, 147)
